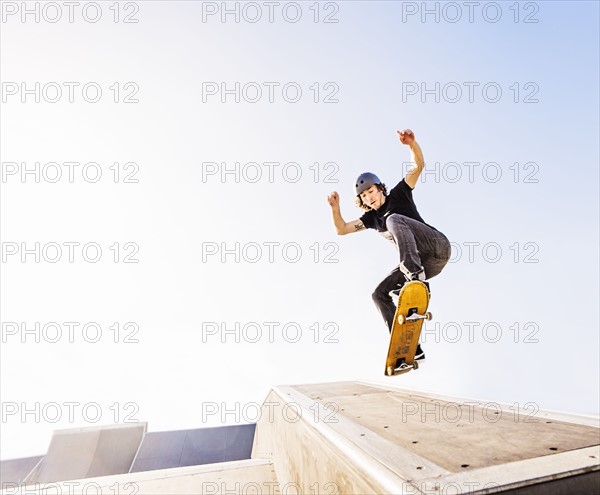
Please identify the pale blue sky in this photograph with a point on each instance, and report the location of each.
(172, 211)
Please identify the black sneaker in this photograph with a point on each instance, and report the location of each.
(419, 355)
(396, 292)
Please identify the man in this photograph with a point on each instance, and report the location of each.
(422, 249)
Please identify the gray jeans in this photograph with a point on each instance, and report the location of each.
(420, 248)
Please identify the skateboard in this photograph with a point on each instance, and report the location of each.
(408, 320)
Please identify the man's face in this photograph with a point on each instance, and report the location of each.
(373, 197)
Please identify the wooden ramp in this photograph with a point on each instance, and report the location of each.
(359, 438)
(338, 438)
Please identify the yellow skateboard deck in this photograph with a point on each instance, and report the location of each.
(408, 320)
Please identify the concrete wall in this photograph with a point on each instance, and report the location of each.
(170, 449)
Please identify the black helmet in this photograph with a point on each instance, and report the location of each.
(365, 181)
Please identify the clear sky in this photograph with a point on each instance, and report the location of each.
(218, 139)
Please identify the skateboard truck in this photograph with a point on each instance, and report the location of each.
(403, 368)
(403, 319)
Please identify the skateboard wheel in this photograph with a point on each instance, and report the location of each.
(390, 371)
(401, 319)
(428, 315)
(415, 365)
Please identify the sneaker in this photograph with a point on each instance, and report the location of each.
(419, 355)
(395, 294)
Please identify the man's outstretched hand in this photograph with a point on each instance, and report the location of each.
(334, 200)
(406, 136)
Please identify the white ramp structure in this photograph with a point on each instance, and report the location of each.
(358, 438)
(86, 452)
(171, 449)
(15, 471)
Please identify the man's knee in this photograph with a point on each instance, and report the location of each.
(434, 266)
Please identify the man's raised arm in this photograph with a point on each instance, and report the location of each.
(342, 227)
(407, 137)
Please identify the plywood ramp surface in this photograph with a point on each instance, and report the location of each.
(316, 451)
(351, 438)
(452, 434)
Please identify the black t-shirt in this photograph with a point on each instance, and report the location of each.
(399, 200)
